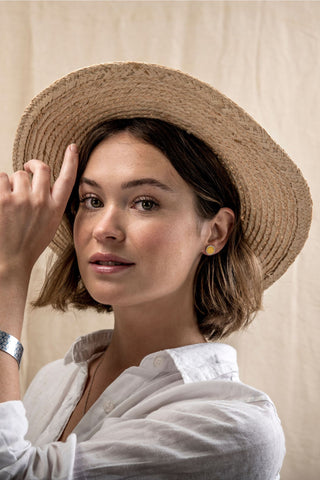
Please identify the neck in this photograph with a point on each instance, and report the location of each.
(142, 330)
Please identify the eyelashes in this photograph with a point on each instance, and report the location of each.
(142, 203)
(146, 204)
(91, 202)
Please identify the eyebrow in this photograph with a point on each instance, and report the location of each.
(146, 181)
(131, 184)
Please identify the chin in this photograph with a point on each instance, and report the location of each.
(106, 298)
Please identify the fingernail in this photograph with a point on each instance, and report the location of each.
(73, 147)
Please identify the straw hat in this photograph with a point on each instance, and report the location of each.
(275, 200)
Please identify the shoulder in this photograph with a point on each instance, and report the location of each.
(234, 428)
(209, 414)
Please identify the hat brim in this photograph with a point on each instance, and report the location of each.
(276, 206)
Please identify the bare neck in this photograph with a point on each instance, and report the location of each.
(142, 330)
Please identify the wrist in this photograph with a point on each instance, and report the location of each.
(14, 272)
(13, 296)
(11, 345)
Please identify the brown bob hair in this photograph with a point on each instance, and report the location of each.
(228, 285)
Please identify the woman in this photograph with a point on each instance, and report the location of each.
(182, 210)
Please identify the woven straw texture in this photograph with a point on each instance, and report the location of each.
(275, 201)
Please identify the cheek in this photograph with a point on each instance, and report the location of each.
(80, 234)
(151, 238)
(165, 244)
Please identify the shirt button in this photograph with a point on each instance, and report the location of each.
(157, 362)
(108, 406)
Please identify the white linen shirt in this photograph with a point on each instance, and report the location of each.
(181, 414)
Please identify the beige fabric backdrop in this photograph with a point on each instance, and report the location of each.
(265, 56)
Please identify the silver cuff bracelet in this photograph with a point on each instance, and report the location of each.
(10, 345)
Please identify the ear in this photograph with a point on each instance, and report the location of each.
(221, 227)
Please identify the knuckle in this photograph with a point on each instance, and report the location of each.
(35, 165)
(40, 201)
(43, 167)
(21, 174)
(21, 201)
(5, 199)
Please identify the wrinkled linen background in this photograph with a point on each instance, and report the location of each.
(263, 55)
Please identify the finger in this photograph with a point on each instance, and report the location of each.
(20, 182)
(40, 175)
(5, 183)
(62, 187)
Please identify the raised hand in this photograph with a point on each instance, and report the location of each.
(30, 212)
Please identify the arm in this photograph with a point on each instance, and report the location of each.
(30, 212)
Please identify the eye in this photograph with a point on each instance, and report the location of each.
(145, 204)
(91, 202)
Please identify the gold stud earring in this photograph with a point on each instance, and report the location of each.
(210, 250)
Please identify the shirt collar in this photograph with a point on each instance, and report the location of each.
(205, 361)
(199, 362)
(85, 347)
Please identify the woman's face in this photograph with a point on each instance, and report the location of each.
(137, 236)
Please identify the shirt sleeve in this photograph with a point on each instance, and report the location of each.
(188, 439)
(20, 460)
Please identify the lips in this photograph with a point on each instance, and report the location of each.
(109, 259)
(109, 263)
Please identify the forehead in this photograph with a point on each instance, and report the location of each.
(125, 156)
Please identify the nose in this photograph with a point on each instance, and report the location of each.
(109, 225)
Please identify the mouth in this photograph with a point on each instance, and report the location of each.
(106, 262)
(110, 263)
